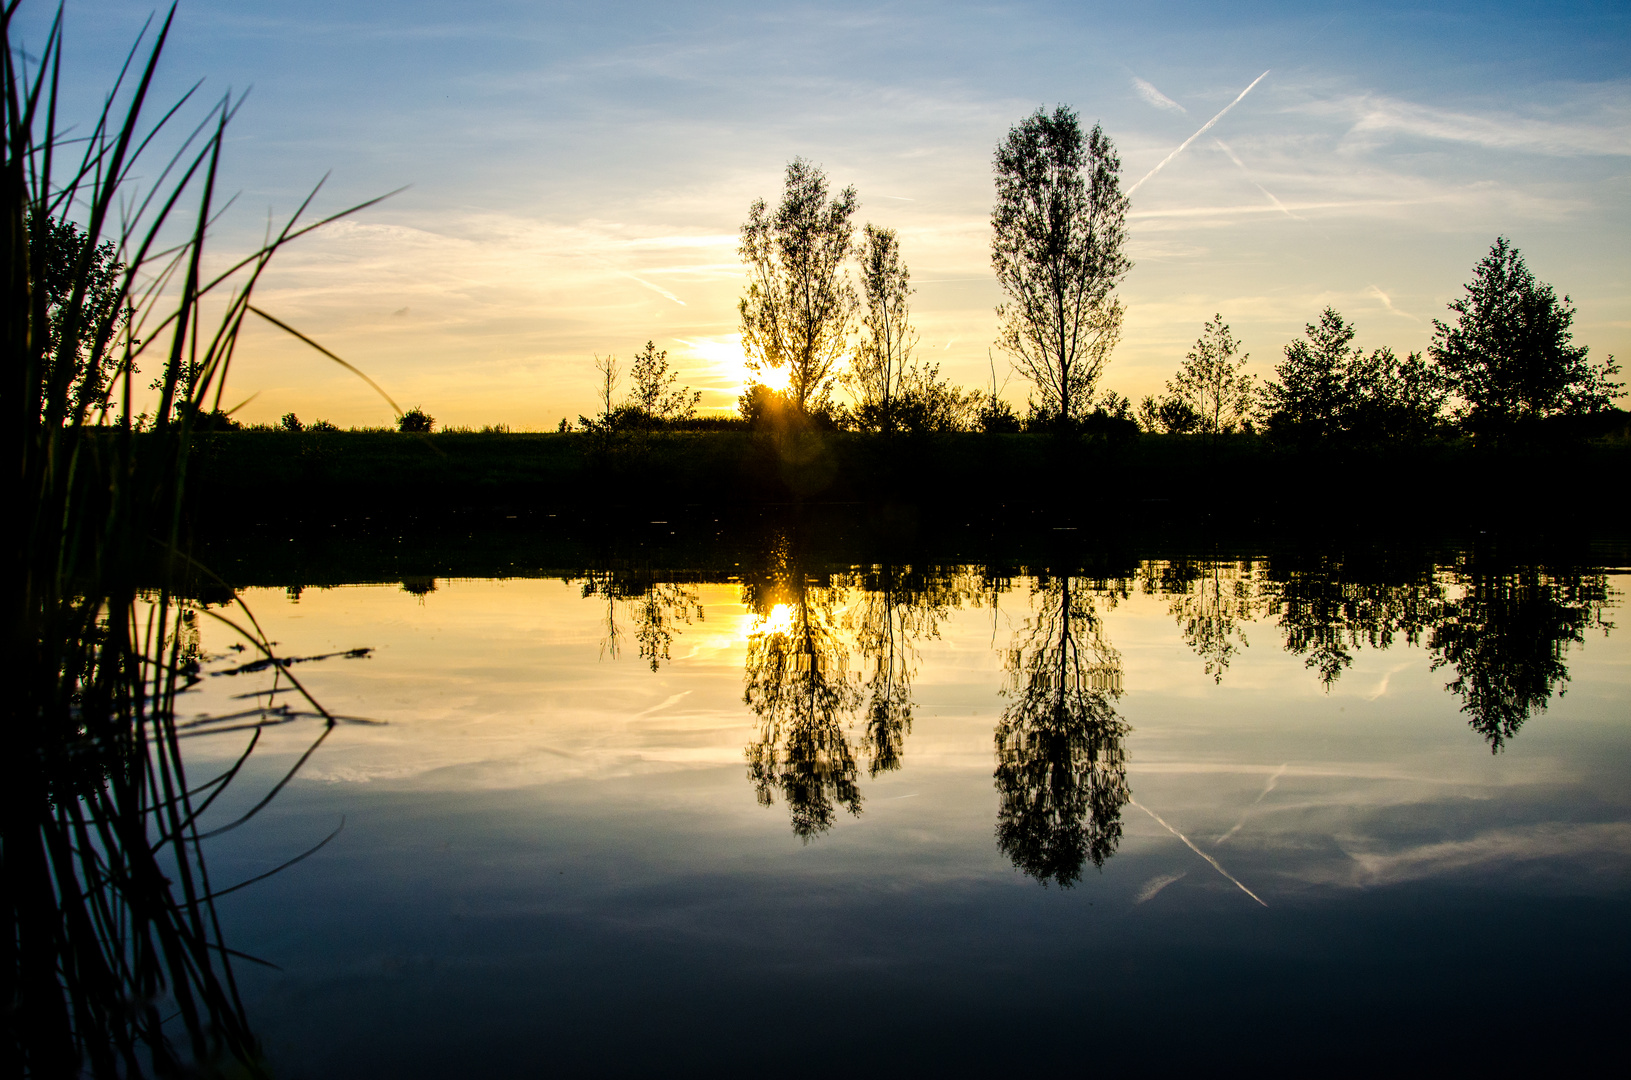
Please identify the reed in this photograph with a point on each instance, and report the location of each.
(116, 965)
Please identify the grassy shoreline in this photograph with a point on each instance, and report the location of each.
(275, 476)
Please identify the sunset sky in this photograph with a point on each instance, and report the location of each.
(578, 172)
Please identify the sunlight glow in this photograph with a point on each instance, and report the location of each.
(723, 363)
(779, 621)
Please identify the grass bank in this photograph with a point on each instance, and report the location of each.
(274, 476)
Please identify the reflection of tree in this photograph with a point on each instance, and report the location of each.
(799, 687)
(1061, 772)
(896, 608)
(1328, 608)
(1506, 637)
(656, 607)
(1210, 600)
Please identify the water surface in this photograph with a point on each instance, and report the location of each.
(800, 817)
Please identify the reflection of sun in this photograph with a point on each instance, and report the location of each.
(779, 621)
(729, 365)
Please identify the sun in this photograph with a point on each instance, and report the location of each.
(727, 364)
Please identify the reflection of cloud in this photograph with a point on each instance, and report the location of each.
(1155, 97)
(1496, 847)
(1156, 884)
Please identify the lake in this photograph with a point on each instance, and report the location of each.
(1296, 807)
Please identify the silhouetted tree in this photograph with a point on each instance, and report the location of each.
(85, 313)
(1058, 232)
(879, 365)
(1509, 355)
(1393, 400)
(1061, 772)
(1328, 390)
(1172, 415)
(1308, 397)
(1212, 382)
(656, 396)
(800, 304)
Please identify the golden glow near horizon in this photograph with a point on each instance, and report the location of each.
(726, 365)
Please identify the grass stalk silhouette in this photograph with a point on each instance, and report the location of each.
(116, 965)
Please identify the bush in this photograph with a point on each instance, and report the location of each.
(415, 421)
(291, 422)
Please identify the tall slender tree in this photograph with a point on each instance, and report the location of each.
(800, 305)
(1058, 231)
(878, 368)
(1213, 382)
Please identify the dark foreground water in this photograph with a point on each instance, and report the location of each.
(1290, 814)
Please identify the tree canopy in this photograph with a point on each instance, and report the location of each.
(800, 304)
(1058, 231)
(1509, 355)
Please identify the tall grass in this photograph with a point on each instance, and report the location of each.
(116, 965)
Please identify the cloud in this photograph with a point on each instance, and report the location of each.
(1374, 119)
(1155, 97)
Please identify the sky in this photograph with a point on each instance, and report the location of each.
(576, 174)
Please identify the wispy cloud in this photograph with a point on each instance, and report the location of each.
(1155, 97)
(1387, 302)
(1375, 118)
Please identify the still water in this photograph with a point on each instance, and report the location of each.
(793, 818)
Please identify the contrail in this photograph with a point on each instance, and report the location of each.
(1185, 144)
(1215, 864)
(1236, 159)
(658, 289)
(1387, 302)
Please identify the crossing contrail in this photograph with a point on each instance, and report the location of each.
(1204, 129)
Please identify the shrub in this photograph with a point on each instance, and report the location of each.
(415, 421)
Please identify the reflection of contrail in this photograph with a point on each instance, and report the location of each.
(1234, 158)
(1275, 779)
(1215, 864)
(658, 289)
(1204, 129)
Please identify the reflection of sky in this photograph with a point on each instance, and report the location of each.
(579, 171)
(543, 837)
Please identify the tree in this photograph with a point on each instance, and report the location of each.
(656, 393)
(1058, 230)
(1329, 390)
(800, 304)
(879, 366)
(1213, 383)
(81, 337)
(1509, 357)
(1173, 415)
(1393, 399)
(1309, 394)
